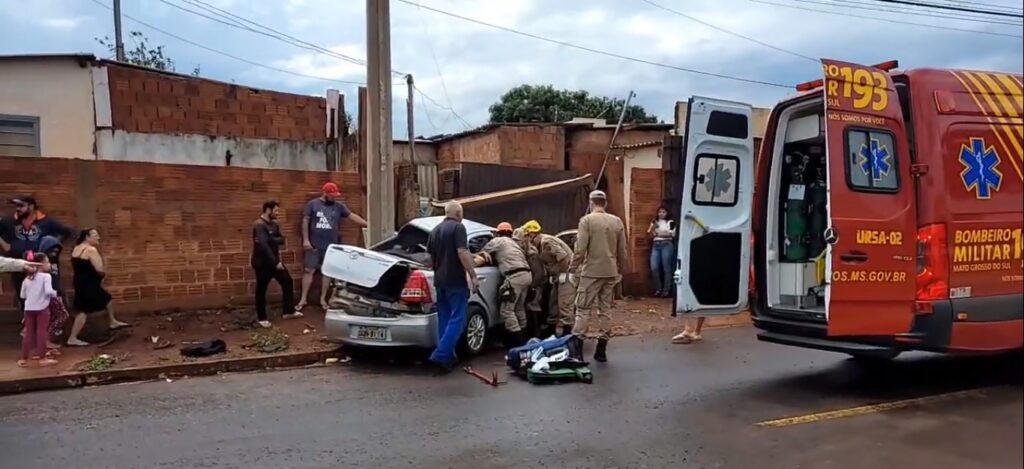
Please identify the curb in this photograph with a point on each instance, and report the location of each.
(147, 373)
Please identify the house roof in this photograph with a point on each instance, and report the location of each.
(574, 125)
(633, 146)
(57, 56)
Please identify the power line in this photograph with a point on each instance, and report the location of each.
(437, 64)
(292, 41)
(225, 54)
(275, 34)
(983, 4)
(449, 109)
(906, 11)
(887, 20)
(598, 51)
(952, 8)
(726, 31)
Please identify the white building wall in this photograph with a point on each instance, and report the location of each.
(57, 90)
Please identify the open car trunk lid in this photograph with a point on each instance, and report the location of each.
(378, 275)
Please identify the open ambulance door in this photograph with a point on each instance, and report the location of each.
(713, 251)
(870, 259)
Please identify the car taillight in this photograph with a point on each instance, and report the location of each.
(932, 263)
(416, 289)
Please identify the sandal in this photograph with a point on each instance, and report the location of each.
(23, 363)
(48, 362)
(682, 338)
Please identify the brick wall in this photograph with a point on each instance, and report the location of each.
(525, 146)
(173, 236)
(533, 146)
(152, 102)
(474, 148)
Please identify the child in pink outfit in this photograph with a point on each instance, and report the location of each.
(37, 291)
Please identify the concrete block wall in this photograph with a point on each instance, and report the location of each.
(153, 102)
(173, 236)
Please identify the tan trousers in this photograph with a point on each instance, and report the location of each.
(513, 313)
(564, 289)
(594, 298)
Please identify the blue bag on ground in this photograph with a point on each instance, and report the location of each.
(520, 358)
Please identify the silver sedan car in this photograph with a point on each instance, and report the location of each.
(383, 296)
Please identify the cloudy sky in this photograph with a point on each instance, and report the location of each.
(465, 66)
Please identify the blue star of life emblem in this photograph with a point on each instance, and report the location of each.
(980, 172)
(875, 160)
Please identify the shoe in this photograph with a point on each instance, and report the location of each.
(682, 338)
(521, 338)
(295, 315)
(439, 369)
(77, 343)
(566, 330)
(265, 324)
(600, 354)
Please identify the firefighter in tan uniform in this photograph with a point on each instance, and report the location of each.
(512, 264)
(556, 257)
(601, 256)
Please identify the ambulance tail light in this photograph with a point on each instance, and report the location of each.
(416, 289)
(932, 263)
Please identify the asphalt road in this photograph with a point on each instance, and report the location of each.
(654, 405)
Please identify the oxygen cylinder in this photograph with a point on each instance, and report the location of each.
(819, 212)
(794, 245)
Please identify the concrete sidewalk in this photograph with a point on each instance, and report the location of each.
(136, 357)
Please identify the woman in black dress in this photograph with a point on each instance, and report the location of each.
(90, 296)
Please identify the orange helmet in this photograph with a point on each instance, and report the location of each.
(505, 227)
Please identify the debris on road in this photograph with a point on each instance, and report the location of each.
(270, 340)
(492, 380)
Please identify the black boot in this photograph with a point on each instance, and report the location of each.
(566, 330)
(520, 338)
(599, 353)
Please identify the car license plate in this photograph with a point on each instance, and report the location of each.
(372, 333)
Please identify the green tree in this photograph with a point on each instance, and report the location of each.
(543, 103)
(143, 53)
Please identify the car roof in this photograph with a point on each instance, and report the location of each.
(429, 223)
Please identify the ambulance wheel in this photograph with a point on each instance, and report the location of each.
(474, 338)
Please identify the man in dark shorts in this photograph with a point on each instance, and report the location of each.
(453, 264)
(321, 227)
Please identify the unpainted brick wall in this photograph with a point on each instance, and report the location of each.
(475, 148)
(153, 102)
(173, 236)
(541, 146)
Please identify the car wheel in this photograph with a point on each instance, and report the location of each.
(474, 338)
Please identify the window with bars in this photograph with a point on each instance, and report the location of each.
(19, 135)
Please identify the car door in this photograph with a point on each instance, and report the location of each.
(713, 251)
(488, 276)
(871, 235)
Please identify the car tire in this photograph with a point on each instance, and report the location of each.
(474, 337)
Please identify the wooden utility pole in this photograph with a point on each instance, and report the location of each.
(380, 172)
(118, 43)
(407, 182)
(409, 117)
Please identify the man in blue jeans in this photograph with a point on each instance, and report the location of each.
(453, 265)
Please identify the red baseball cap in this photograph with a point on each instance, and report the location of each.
(331, 188)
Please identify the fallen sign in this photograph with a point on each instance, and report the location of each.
(493, 380)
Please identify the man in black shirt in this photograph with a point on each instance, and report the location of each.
(453, 264)
(267, 240)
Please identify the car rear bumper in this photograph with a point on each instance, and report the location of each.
(404, 330)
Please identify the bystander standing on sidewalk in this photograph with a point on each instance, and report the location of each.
(26, 229)
(267, 240)
(663, 252)
(321, 227)
(36, 293)
(453, 265)
(90, 296)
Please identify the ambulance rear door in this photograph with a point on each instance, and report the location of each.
(871, 236)
(713, 249)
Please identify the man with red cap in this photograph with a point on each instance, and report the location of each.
(321, 227)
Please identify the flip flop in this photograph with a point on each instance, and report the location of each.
(299, 307)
